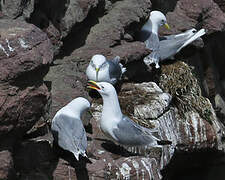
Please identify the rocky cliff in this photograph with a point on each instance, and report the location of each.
(45, 47)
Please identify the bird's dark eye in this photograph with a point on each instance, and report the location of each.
(104, 64)
(194, 31)
(92, 64)
(102, 87)
(162, 21)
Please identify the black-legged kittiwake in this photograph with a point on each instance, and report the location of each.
(167, 46)
(116, 125)
(68, 129)
(102, 70)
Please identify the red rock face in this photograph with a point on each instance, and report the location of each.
(87, 28)
(25, 55)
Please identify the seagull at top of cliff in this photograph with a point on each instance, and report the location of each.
(117, 126)
(102, 70)
(167, 46)
(68, 129)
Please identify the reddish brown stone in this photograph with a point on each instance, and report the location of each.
(25, 56)
(6, 166)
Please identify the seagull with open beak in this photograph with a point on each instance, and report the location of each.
(116, 125)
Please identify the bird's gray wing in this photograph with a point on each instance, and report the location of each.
(130, 133)
(152, 43)
(70, 134)
(184, 35)
(115, 71)
(143, 35)
(171, 46)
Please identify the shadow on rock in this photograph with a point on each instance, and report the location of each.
(116, 149)
(204, 164)
(79, 166)
(138, 72)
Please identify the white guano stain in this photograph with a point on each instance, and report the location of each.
(136, 167)
(1, 47)
(147, 168)
(100, 152)
(10, 48)
(110, 166)
(125, 171)
(117, 175)
(143, 174)
(23, 43)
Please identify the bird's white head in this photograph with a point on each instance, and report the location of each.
(98, 61)
(104, 88)
(79, 105)
(158, 18)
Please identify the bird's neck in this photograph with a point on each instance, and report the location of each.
(78, 111)
(111, 107)
(154, 27)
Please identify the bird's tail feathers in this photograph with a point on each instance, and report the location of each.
(152, 58)
(194, 37)
(76, 154)
(123, 69)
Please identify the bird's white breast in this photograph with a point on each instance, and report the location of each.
(107, 125)
(103, 74)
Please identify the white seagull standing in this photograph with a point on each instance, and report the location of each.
(118, 126)
(102, 70)
(167, 46)
(68, 129)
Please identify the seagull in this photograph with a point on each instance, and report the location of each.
(67, 127)
(102, 70)
(167, 46)
(116, 125)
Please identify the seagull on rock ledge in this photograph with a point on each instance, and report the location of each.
(68, 129)
(116, 125)
(102, 70)
(167, 46)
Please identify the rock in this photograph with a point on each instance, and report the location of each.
(221, 4)
(157, 105)
(201, 14)
(35, 159)
(25, 53)
(6, 166)
(68, 78)
(67, 82)
(15, 9)
(219, 103)
(187, 133)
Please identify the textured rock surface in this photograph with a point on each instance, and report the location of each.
(186, 132)
(69, 73)
(6, 167)
(25, 56)
(78, 29)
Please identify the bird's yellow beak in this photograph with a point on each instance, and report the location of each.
(167, 26)
(93, 85)
(97, 70)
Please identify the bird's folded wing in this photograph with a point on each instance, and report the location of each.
(130, 133)
(70, 133)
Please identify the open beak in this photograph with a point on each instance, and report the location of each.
(93, 85)
(97, 70)
(167, 26)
